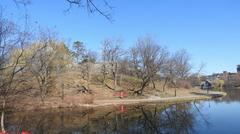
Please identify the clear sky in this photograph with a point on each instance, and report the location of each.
(208, 29)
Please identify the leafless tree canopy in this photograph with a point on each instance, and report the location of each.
(93, 6)
(177, 67)
(41, 66)
(147, 57)
(112, 52)
(22, 2)
(183, 67)
(101, 7)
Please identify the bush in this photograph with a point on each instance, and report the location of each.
(184, 84)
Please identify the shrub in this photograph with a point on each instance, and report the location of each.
(184, 84)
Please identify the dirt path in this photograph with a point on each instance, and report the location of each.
(154, 99)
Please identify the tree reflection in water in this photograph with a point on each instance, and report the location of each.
(175, 119)
(145, 119)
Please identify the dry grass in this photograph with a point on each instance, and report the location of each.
(184, 84)
(71, 81)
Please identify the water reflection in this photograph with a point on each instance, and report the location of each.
(144, 119)
(233, 95)
(213, 116)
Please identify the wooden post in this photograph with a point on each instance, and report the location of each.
(175, 92)
(175, 86)
(121, 94)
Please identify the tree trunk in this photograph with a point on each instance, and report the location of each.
(120, 83)
(175, 87)
(89, 75)
(2, 122)
(104, 74)
(62, 96)
(115, 75)
(42, 99)
(143, 85)
(165, 83)
(2, 116)
(154, 86)
(108, 86)
(42, 96)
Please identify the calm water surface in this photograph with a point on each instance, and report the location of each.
(221, 116)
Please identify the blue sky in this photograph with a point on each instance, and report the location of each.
(208, 29)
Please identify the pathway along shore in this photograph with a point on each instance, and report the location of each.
(194, 97)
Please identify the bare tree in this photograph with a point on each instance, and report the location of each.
(111, 54)
(168, 71)
(10, 40)
(183, 66)
(42, 69)
(162, 59)
(176, 67)
(46, 61)
(147, 57)
(200, 69)
(125, 68)
(195, 78)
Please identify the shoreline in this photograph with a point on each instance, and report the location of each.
(117, 102)
(102, 103)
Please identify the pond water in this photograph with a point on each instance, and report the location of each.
(204, 117)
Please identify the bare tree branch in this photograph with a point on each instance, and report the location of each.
(92, 7)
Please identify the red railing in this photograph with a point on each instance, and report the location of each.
(121, 94)
(23, 132)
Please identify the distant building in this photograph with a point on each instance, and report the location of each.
(238, 68)
(228, 77)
